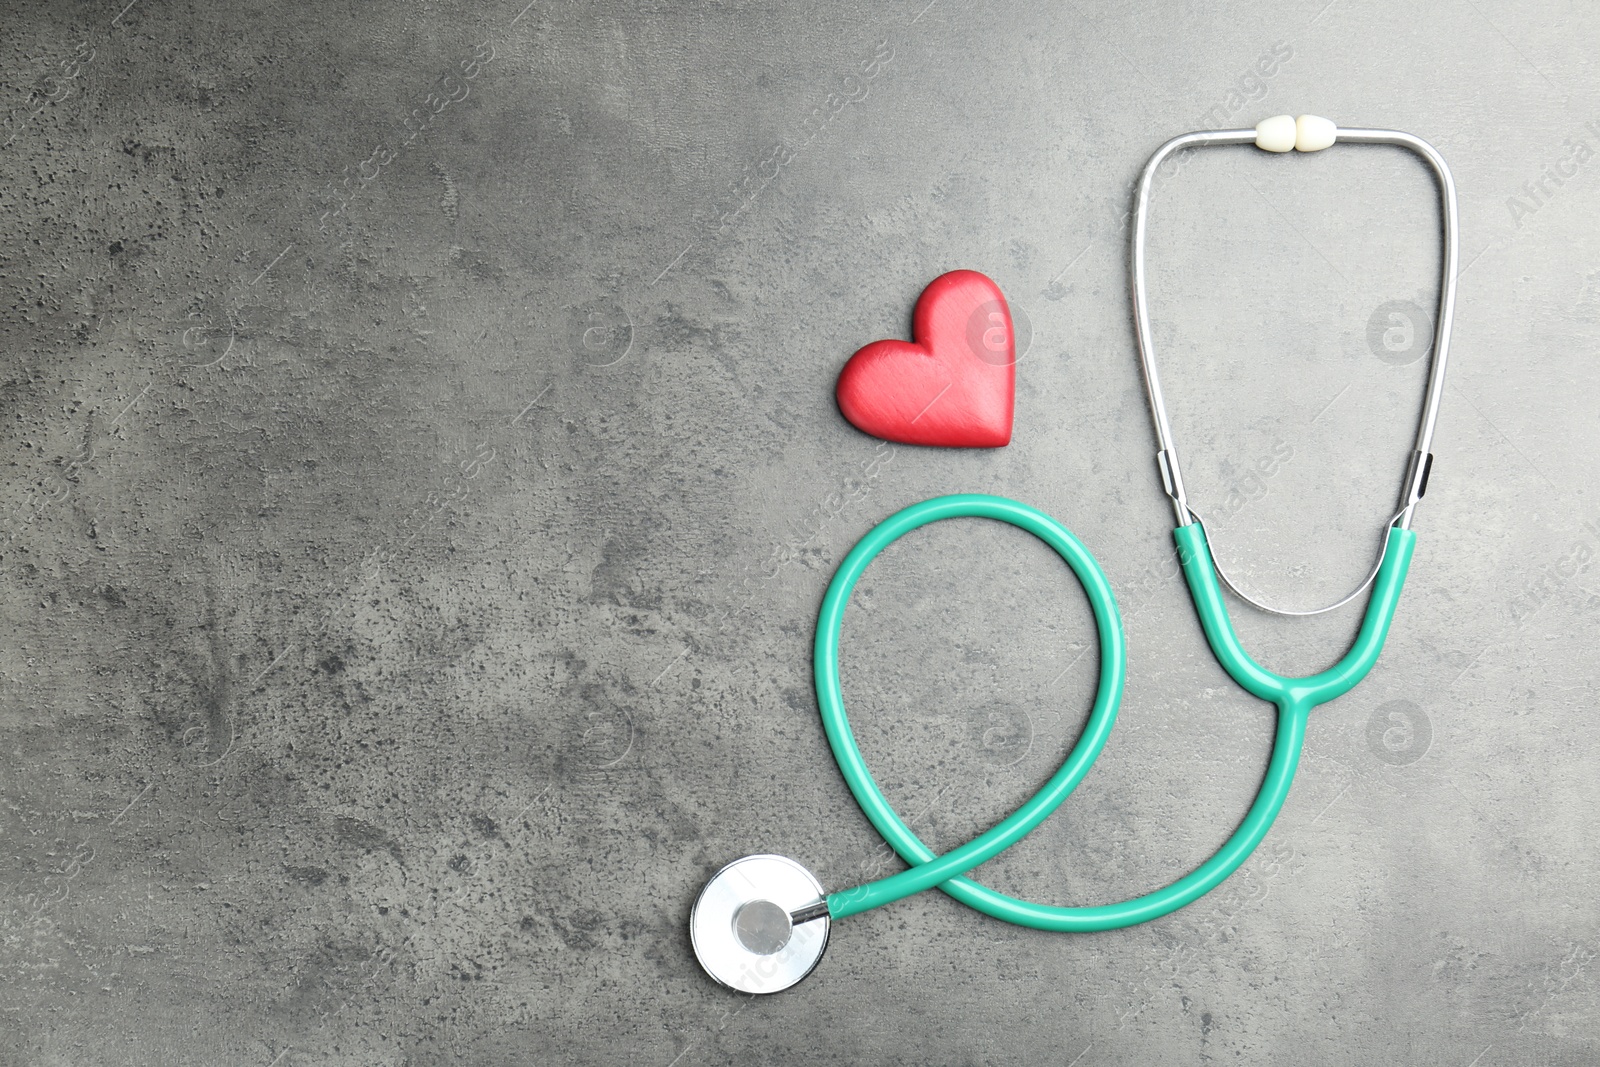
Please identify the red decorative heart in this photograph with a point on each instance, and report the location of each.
(955, 385)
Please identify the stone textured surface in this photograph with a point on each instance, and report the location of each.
(422, 474)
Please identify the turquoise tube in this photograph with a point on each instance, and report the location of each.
(928, 869)
(1294, 698)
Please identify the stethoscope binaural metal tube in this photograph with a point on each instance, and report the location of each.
(1166, 455)
(1422, 454)
(1419, 464)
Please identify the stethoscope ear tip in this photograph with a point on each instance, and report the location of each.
(760, 925)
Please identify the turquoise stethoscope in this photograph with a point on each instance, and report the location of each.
(761, 923)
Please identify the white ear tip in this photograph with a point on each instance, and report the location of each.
(1277, 134)
(1313, 133)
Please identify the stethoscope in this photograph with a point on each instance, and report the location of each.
(761, 923)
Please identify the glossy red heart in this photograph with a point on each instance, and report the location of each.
(954, 384)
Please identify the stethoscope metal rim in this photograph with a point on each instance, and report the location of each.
(1420, 463)
(752, 879)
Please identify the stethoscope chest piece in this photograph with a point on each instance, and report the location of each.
(742, 929)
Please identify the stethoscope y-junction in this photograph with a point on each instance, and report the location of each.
(761, 923)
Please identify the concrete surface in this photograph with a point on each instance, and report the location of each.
(422, 475)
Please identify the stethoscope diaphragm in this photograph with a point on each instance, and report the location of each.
(743, 927)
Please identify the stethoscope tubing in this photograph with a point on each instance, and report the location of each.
(1294, 698)
(930, 870)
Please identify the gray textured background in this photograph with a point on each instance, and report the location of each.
(422, 474)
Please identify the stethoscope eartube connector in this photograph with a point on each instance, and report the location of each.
(761, 923)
